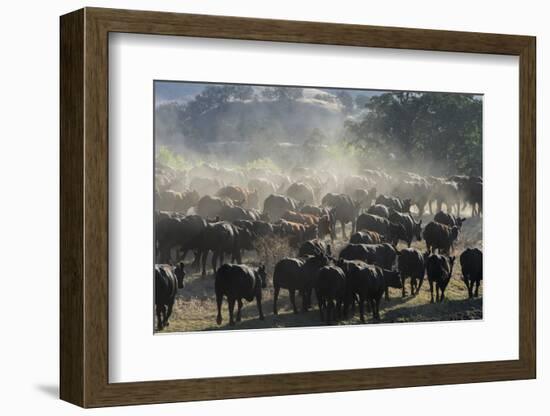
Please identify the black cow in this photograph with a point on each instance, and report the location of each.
(221, 238)
(382, 255)
(413, 229)
(349, 267)
(344, 210)
(166, 287)
(173, 230)
(398, 204)
(369, 284)
(314, 247)
(440, 236)
(440, 270)
(297, 274)
(238, 282)
(449, 220)
(412, 263)
(380, 210)
(330, 291)
(392, 232)
(471, 261)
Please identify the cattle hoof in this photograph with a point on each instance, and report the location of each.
(238, 319)
(219, 320)
(167, 324)
(232, 323)
(261, 318)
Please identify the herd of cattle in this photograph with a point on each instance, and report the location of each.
(226, 212)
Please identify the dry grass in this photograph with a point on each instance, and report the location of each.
(195, 308)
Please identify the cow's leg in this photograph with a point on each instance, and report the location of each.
(259, 305)
(413, 285)
(239, 307)
(362, 309)
(276, 290)
(306, 299)
(377, 306)
(339, 309)
(387, 293)
(231, 305)
(431, 292)
(403, 290)
(204, 257)
(343, 224)
(442, 296)
(168, 313)
(330, 311)
(469, 285)
(159, 309)
(419, 285)
(372, 305)
(320, 302)
(214, 260)
(477, 289)
(292, 295)
(196, 260)
(219, 299)
(368, 306)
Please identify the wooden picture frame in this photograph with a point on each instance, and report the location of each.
(84, 207)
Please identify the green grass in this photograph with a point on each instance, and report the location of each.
(195, 307)
(171, 159)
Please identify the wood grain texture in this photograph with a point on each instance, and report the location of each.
(84, 204)
(71, 208)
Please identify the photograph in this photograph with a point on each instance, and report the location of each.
(304, 206)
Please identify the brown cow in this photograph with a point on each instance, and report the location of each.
(323, 223)
(240, 196)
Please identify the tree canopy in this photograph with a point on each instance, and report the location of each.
(437, 133)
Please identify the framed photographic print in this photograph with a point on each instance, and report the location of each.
(256, 207)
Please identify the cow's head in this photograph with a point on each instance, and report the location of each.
(262, 275)
(180, 274)
(392, 279)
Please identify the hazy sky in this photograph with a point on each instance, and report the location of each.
(166, 91)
